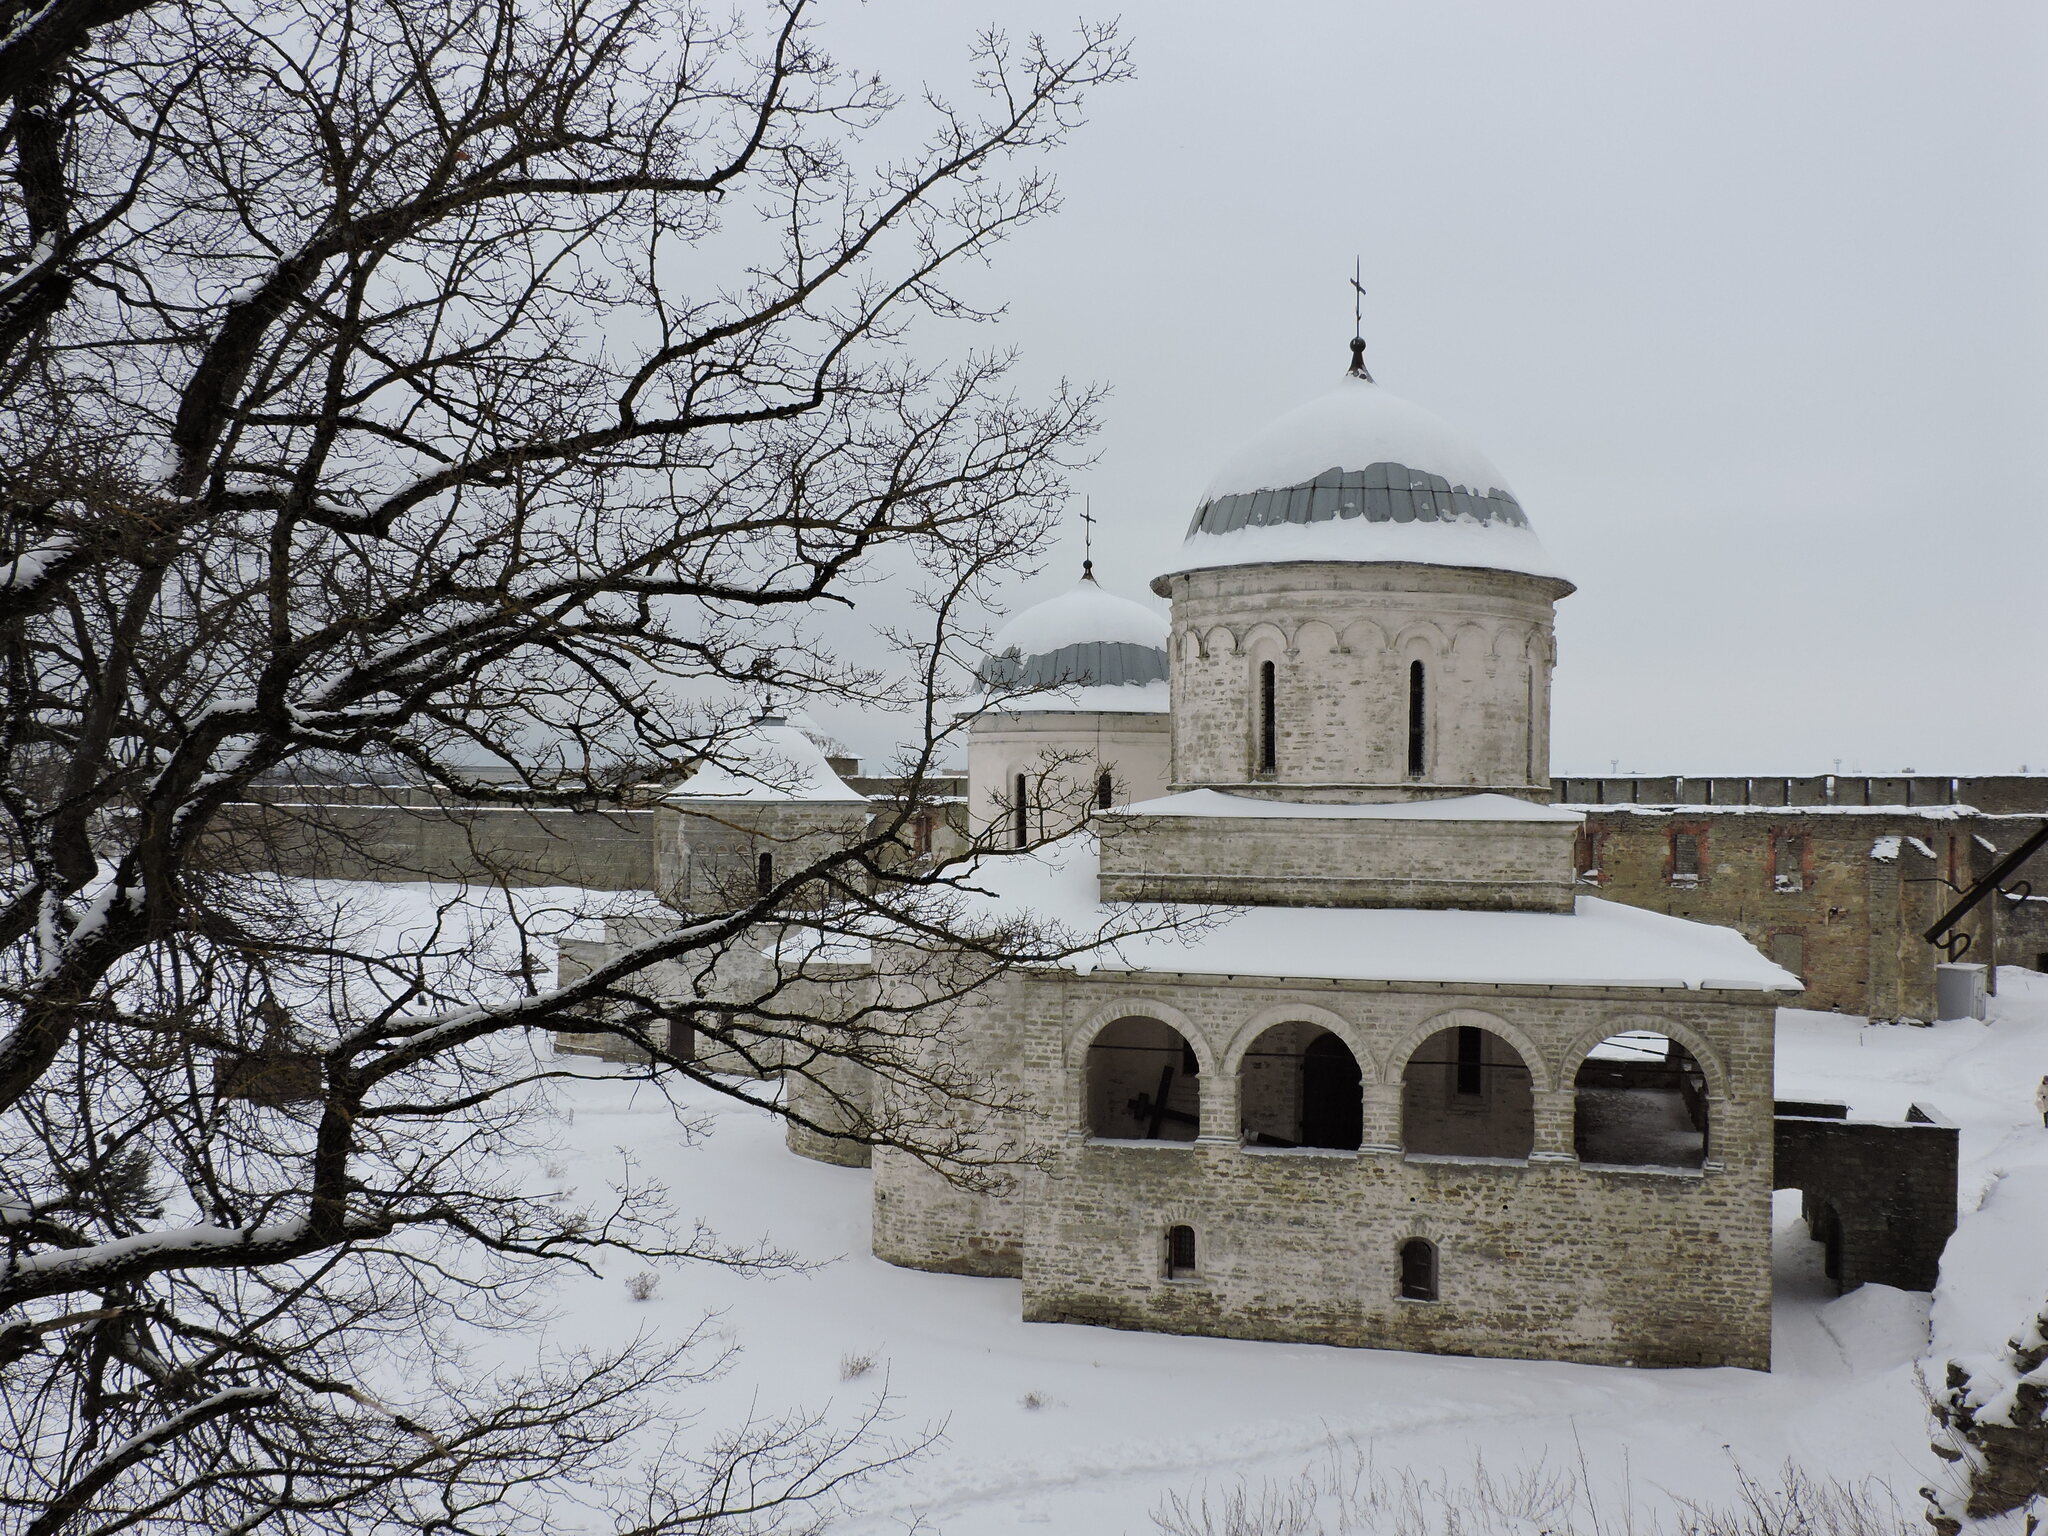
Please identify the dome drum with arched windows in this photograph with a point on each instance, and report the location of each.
(1362, 611)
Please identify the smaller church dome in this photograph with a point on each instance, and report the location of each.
(1360, 475)
(1098, 650)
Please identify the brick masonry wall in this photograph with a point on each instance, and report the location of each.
(1542, 1258)
(1857, 919)
(1341, 639)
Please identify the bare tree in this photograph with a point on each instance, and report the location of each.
(419, 386)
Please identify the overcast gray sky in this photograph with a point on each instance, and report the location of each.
(1745, 300)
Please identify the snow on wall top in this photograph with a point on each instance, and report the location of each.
(1213, 802)
(1360, 474)
(1154, 698)
(771, 761)
(1602, 944)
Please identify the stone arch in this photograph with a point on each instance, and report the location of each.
(1082, 1035)
(1134, 1081)
(1363, 635)
(1540, 647)
(1701, 1049)
(1421, 637)
(1470, 638)
(1394, 1064)
(1317, 630)
(1468, 1089)
(1228, 646)
(1191, 647)
(1301, 1085)
(1231, 1058)
(1264, 630)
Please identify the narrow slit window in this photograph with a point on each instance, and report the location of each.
(1418, 1270)
(1685, 855)
(1180, 1253)
(1418, 699)
(1471, 1066)
(1269, 717)
(1105, 790)
(764, 874)
(1020, 812)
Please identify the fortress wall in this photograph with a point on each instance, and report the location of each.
(600, 849)
(1857, 920)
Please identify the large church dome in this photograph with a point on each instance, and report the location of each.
(1360, 475)
(1090, 648)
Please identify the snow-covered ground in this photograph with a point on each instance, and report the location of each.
(1086, 1429)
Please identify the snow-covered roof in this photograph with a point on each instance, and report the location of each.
(1362, 475)
(770, 761)
(1213, 802)
(1084, 612)
(1084, 650)
(1601, 944)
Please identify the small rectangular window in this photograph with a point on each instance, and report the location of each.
(1685, 856)
(1789, 950)
(1418, 1270)
(1180, 1253)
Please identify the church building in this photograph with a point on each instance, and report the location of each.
(1400, 1083)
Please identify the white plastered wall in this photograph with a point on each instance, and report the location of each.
(1061, 755)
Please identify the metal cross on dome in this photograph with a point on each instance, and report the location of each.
(1358, 368)
(1087, 538)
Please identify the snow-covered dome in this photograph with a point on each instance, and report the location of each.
(777, 758)
(1095, 650)
(1361, 475)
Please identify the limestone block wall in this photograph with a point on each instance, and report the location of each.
(1061, 755)
(707, 855)
(830, 1096)
(1340, 862)
(1541, 1257)
(923, 1221)
(1341, 639)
